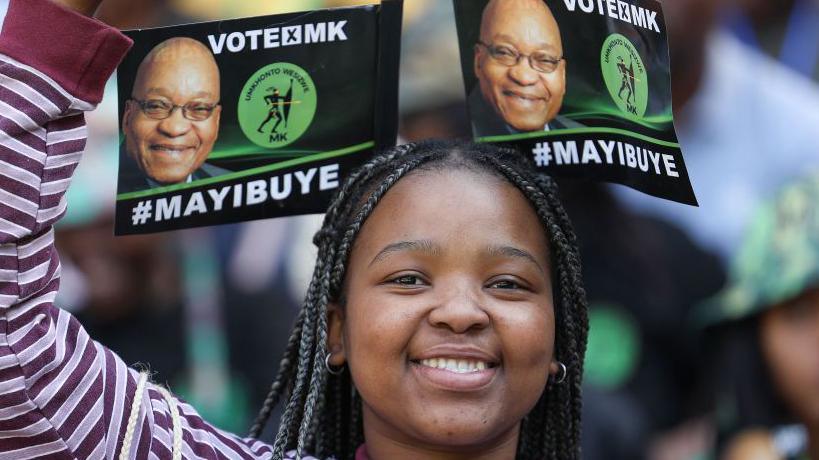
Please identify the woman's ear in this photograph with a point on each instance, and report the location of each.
(335, 336)
(554, 368)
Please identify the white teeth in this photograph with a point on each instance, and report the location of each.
(460, 366)
(168, 148)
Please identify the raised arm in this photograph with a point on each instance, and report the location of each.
(62, 395)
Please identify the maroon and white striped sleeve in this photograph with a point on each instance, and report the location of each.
(63, 395)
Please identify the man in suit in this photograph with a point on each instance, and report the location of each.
(172, 119)
(520, 68)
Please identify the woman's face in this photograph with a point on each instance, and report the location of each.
(448, 325)
(790, 344)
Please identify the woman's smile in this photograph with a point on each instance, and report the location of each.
(456, 375)
(455, 368)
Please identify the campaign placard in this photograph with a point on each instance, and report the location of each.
(582, 86)
(252, 118)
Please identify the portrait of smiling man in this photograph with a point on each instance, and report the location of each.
(520, 68)
(171, 121)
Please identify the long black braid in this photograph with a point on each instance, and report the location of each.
(322, 413)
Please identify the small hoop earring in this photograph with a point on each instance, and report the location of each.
(561, 374)
(337, 371)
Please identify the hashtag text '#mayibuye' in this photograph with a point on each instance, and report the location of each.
(608, 152)
(253, 192)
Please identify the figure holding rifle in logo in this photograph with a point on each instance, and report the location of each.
(627, 73)
(277, 105)
(274, 102)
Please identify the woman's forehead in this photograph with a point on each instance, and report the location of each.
(454, 207)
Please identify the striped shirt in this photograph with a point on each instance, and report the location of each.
(63, 395)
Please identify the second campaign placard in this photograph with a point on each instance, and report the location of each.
(250, 118)
(582, 86)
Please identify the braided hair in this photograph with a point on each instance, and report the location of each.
(322, 412)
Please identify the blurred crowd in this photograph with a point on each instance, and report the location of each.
(704, 339)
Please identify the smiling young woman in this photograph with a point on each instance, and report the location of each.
(445, 318)
(448, 285)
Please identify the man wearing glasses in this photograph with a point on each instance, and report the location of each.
(520, 69)
(172, 119)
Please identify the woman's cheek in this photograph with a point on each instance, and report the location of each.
(528, 335)
(378, 328)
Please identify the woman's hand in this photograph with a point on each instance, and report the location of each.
(86, 7)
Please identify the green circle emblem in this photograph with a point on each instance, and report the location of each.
(277, 105)
(613, 349)
(625, 75)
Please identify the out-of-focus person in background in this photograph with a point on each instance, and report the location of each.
(431, 93)
(784, 29)
(765, 330)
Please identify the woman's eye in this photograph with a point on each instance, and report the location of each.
(407, 280)
(504, 284)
